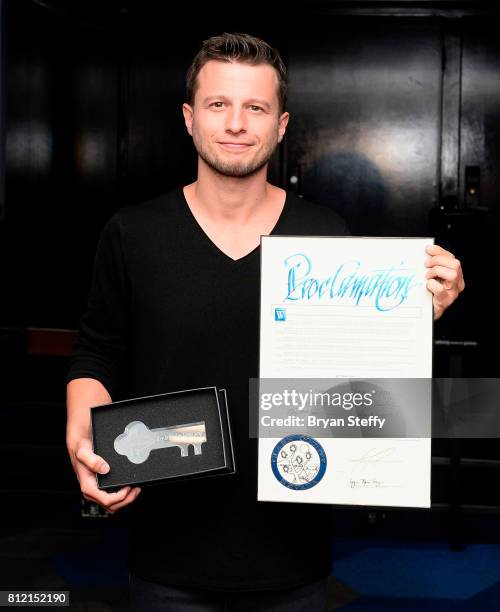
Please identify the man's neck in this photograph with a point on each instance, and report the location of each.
(230, 199)
(235, 212)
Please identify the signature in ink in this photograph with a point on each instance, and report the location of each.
(366, 470)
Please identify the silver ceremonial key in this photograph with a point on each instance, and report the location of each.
(137, 441)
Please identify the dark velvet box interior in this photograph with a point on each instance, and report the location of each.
(208, 405)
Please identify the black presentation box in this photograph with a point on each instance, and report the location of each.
(159, 438)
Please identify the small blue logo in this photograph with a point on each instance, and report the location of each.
(298, 462)
(280, 314)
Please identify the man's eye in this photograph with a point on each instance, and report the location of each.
(253, 107)
(217, 104)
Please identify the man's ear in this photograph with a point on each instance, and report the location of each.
(187, 111)
(283, 122)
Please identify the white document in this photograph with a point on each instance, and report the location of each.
(351, 308)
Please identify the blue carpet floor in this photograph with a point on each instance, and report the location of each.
(369, 575)
(411, 576)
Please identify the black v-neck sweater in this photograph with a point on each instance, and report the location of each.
(168, 310)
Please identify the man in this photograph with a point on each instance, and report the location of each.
(174, 304)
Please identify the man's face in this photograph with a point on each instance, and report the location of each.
(235, 121)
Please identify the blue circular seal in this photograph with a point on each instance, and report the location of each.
(298, 462)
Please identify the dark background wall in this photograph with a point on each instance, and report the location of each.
(395, 123)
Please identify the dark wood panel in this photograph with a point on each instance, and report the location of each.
(365, 133)
(480, 125)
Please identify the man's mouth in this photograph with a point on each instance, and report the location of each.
(235, 146)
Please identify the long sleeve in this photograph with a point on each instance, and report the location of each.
(100, 351)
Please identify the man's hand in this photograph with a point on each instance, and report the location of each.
(446, 279)
(81, 394)
(86, 464)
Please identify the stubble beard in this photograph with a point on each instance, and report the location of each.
(236, 168)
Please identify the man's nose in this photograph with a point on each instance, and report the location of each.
(235, 120)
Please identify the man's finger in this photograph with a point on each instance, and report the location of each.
(443, 260)
(108, 499)
(85, 455)
(132, 496)
(435, 249)
(89, 489)
(437, 289)
(442, 272)
(440, 297)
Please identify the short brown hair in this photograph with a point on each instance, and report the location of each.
(237, 47)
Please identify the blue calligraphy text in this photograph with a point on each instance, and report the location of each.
(385, 288)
